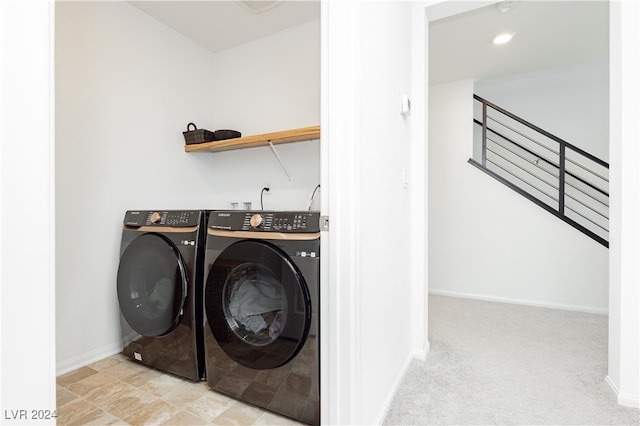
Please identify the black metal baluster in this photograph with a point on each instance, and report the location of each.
(573, 185)
(561, 177)
(484, 134)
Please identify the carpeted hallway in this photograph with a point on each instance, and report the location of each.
(495, 363)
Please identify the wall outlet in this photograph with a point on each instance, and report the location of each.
(234, 205)
(246, 205)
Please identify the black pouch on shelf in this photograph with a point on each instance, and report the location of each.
(226, 134)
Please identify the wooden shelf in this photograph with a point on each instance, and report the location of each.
(286, 136)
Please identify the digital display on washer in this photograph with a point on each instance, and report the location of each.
(266, 221)
(138, 218)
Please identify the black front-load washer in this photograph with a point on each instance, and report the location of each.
(262, 310)
(160, 285)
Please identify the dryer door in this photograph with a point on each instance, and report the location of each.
(257, 304)
(152, 285)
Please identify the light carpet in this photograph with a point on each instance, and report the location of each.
(502, 364)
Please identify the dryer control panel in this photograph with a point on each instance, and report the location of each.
(265, 221)
(176, 218)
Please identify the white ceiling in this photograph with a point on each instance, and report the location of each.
(548, 34)
(219, 25)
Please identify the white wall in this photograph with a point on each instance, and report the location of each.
(254, 82)
(418, 179)
(267, 85)
(126, 87)
(624, 319)
(27, 312)
(571, 102)
(384, 246)
(369, 145)
(485, 240)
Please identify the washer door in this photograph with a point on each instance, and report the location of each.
(257, 305)
(152, 285)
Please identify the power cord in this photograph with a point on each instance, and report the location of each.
(261, 193)
(313, 195)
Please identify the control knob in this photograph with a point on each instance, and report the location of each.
(256, 220)
(155, 217)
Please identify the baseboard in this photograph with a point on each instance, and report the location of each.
(421, 354)
(624, 399)
(87, 358)
(382, 414)
(534, 303)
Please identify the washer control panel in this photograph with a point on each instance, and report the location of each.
(265, 221)
(177, 218)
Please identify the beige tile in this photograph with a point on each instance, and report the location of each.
(105, 363)
(157, 412)
(238, 414)
(161, 385)
(95, 395)
(210, 405)
(63, 396)
(185, 418)
(125, 368)
(88, 384)
(130, 403)
(81, 373)
(106, 395)
(75, 410)
(272, 419)
(98, 418)
(185, 393)
(141, 377)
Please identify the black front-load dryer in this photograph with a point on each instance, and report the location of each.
(262, 310)
(160, 285)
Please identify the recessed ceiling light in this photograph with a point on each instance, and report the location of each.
(503, 38)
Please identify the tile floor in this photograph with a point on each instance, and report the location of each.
(118, 391)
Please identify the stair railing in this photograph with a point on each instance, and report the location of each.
(554, 174)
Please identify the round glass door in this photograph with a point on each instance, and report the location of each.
(257, 305)
(152, 285)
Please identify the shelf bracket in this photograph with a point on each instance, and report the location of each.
(273, 149)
